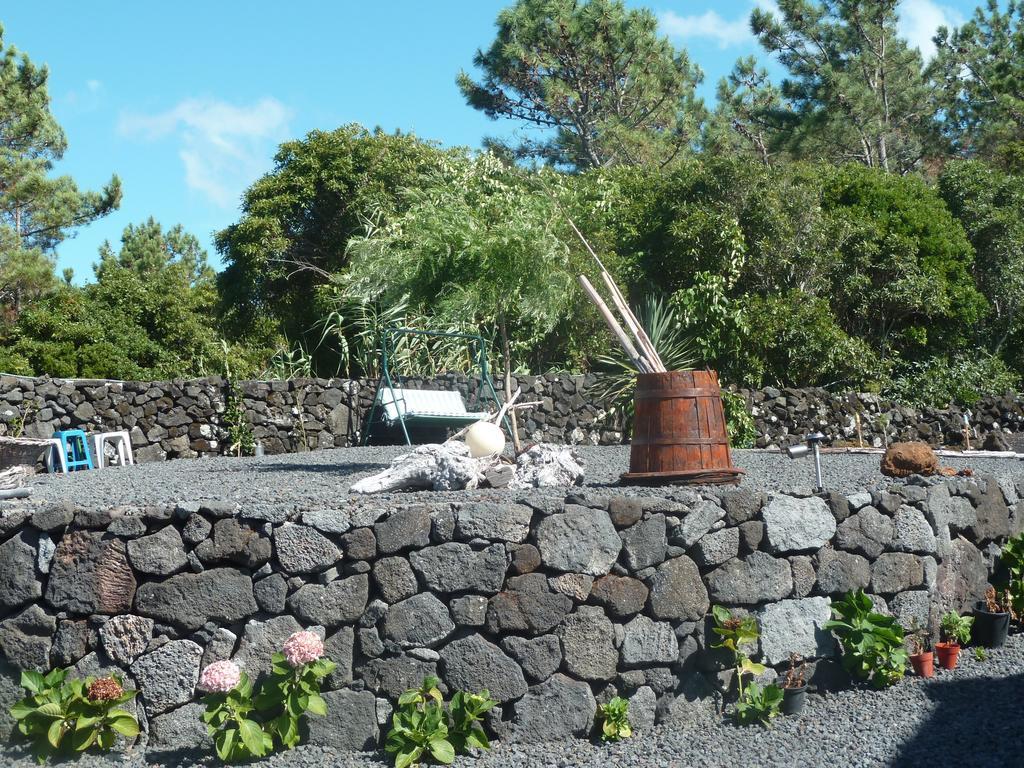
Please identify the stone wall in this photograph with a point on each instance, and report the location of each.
(186, 419)
(553, 604)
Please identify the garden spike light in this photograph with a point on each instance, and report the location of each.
(812, 446)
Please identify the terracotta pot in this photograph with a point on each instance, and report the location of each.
(923, 663)
(948, 654)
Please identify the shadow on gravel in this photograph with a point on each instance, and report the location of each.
(976, 723)
(334, 468)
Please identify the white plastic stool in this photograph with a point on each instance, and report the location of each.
(121, 441)
(55, 457)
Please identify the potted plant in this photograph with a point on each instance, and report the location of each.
(921, 657)
(992, 619)
(956, 630)
(794, 686)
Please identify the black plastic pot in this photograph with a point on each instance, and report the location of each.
(990, 628)
(793, 700)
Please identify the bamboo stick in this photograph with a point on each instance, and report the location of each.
(619, 300)
(638, 360)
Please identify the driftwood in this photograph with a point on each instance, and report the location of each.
(449, 467)
(14, 477)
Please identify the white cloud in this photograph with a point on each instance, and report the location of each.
(222, 146)
(93, 85)
(919, 19)
(709, 25)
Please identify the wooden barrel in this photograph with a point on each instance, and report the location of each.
(679, 433)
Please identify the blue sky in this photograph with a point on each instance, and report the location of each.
(186, 101)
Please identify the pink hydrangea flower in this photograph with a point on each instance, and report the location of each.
(302, 648)
(220, 677)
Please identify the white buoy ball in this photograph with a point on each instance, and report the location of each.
(485, 439)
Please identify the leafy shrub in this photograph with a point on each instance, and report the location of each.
(614, 717)
(422, 725)
(1011, 563)
(754, 703)
(872, 643)
(738, 421)
(62, 716)
(964, 379)
(956, 628)
(245, 726)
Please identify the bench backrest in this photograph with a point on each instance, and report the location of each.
(427, 401)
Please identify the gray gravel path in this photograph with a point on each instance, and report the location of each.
(321, 479)
(968, 718)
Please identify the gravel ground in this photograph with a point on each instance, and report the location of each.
(321, 479)
(968, 718)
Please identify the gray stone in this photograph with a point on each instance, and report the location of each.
(261, 640)
(189, 600)
(419, 621)
(757, 578)
(751, 536)
(25, 638)
(301, 549)
(395, 675)
(167, 677)
(339, 602)
(220, 646)
(528, 612)
(574, 585)
(18, 582)
(539, 657)
(339, 648)
(912, 532)
(717, 547)
(394, 579)
(469, 610)
(73, 640)
(841, 572)
(858, 501)
(868, 533)
(181, 729)
(642, 706)
(125, 637)
(496, 522)
(473, 664)
(912, 609)
(403, 529)
(741, 505)
(370, 644)
(796, 525)
(46, 550)
(649, 642)
(525, 559)
(622, 596)
(645, 543)
(696, 522)
(234, 543)
(327, 520)
(127, 527)
(896, 572)
(455, 567)
(796, 626)
(588, 644)
(159, 554)
(271, 592)
(52, 517)
(992, 515)
(838, 505)
(360, 544)
(350, 724)
(90, 574)
(962, 577)
(624, 511)
(579, 540)
(677, 592)
(197, 528)
(556, 710)
(804, 577)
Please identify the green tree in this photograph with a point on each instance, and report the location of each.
(595, 77)
(990, 205)
(855, 88)
(36, 209)
(148, 250)
(748, 113)
(980, 70)
(296, 223)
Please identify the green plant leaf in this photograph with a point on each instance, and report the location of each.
(442, 750)
(22, 709)
(124, 723)
(55, 733)
(316, 705)
(32, 681)
(251, 734)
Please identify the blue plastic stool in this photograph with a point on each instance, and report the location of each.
(75, 447)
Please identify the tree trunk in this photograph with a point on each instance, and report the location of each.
(506, 357)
